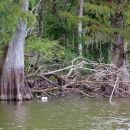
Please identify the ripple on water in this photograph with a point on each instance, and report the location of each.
(66, 115)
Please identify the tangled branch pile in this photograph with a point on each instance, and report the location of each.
(85, 77)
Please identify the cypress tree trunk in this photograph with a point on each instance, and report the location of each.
(12, 86)
(54, 7)
(118, 52)
(80, 29)
(119, 57)
(40, 18)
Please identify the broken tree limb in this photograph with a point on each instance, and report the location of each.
(114, 87)
(99, 79)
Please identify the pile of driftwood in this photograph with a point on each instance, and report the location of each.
(85, 77)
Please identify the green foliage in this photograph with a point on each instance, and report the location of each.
(98, 52)
(68, 56)
(45, 46)
(55, 27)
(62, 27)
(32, 3)
(72, 20)
(29, 18)
(100, 12)
(10, 12)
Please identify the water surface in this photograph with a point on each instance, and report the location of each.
(66, 114)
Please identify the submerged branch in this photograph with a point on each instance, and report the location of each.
(114, 87)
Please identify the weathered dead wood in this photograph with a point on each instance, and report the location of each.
(100, 80)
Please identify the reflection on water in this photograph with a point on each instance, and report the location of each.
(12, 115)
(20, 114)
(66, 114)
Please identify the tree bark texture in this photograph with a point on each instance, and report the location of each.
(118, 51)
(12, 86)
(80, 29)
(119, 57)
(54, 7)
(40, 18)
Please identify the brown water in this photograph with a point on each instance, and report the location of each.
(66, 114)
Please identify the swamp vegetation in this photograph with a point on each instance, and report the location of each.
(58, 47)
